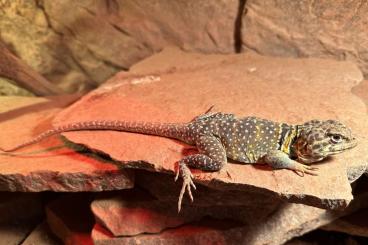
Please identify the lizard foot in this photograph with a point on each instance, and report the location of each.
(301, 169)
(187, 183)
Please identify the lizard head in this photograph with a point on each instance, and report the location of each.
(319, 139)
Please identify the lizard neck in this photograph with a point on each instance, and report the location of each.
(289, 134)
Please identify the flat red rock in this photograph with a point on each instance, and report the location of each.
(131, 213)
(175, 87)
(48, 165)
(205, 232)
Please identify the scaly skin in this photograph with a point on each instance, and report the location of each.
(220, 136)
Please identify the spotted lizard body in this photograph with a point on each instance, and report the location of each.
(219, 136)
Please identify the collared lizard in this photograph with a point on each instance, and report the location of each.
(219, 136)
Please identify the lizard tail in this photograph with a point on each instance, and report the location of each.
(169, 130)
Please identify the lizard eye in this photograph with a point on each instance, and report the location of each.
(336, 138)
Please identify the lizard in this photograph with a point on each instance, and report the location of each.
(221, 136)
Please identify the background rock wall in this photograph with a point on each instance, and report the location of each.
(324, 29)
(79, 44)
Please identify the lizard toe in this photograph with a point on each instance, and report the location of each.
(187, 184)
(177, 174)
(299, 172)
(302, 169)
(311, 172)
(311, 168)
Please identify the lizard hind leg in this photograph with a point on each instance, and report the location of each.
(212, 157)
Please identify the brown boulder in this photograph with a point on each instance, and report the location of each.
(320, 29)
(79, 44)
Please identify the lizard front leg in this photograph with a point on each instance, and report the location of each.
(212, 157)
(279, 159)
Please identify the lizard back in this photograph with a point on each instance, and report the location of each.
(245, 139)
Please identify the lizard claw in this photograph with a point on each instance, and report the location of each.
(187, 184)
(228, 174)
(177, 174)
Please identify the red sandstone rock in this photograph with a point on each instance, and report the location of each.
(286, 222)
(132, 212)
(205, 232)
(48, 165)
(175, 87)
(266, 223)
(294, 220)
(289, 221)
(165, 189)
(70, 218)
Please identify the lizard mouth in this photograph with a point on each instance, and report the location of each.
(305, 157)
(344, 147)
(318, 156)
(310, 159)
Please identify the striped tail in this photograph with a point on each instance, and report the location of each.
(168, 130)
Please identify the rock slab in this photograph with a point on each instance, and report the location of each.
(135, 212)
(174, 86)
(286, 221)
(49, 165)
